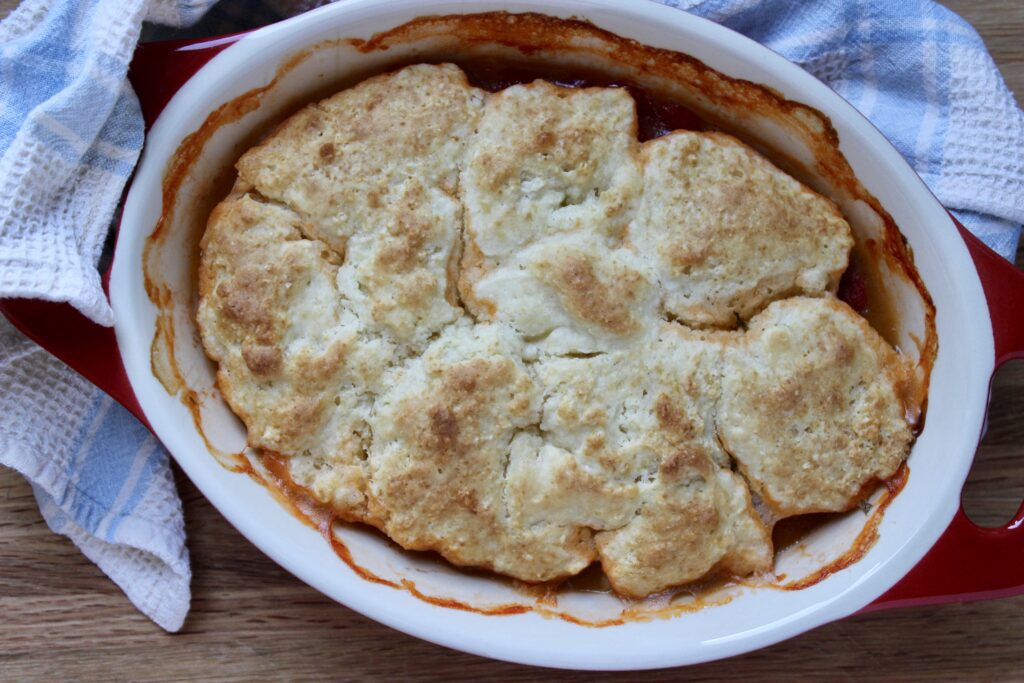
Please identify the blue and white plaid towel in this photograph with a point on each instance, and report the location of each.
(70, 133)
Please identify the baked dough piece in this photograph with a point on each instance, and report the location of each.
(441, 442)
(550, 183)
(727, 232)
(694, 520)
(629, 450)
(548, 160)
(572, 294)
(292, 362)
(373, 171)
(811, 406)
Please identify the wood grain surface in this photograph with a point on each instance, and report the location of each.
(62, 619)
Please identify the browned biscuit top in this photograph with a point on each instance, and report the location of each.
(472, 321)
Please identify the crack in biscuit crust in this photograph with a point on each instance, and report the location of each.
(472, 321)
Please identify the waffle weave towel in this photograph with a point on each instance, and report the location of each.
(70, 133)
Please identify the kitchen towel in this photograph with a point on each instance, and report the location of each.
(70, 133)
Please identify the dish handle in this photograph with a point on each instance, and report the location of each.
(88, 348)
(970, 562)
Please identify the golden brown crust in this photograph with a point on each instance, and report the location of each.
(565, 420)
(286, 381)
(373, 172)
(728, 233)
(442, 440)
(811, 407)
(551, 180)
(600, 301)
(632, 453)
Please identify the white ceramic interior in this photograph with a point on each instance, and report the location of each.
(753, 617)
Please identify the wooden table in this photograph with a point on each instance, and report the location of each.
(61, 618)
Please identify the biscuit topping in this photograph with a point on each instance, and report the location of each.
(500, 328)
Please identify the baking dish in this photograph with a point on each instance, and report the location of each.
(926, 549)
